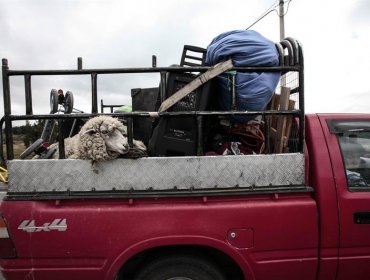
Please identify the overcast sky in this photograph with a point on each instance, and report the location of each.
(51, 34)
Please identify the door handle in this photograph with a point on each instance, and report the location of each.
(362, 217)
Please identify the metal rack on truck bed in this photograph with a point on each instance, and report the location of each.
(166, 175)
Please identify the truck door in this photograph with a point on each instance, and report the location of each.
(348, 141)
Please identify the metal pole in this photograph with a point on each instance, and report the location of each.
(281, 16)
(301, 101)
(62, 153)
(163, 87)
(79, 63)
(94, 93)
(282, 34)
(7, 110)
(6, 87)
(28, 92)
(199, 121)
(130, 132)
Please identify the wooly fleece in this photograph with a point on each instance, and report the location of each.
(101, 138)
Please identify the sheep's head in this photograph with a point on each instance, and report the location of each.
(114, 139)
(103, 138)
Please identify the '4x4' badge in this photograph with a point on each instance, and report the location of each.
(57, 224)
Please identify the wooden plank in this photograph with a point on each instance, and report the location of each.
(275, 101)
(273, 135)
(274, 105)
(281, 123)
(194, 84)
(288, 126)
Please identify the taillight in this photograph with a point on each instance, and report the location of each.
(7, 249)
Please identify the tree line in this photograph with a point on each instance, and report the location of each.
(30, 132)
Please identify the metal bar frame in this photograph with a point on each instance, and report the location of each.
(7, 112)
(111, 107)
(296, 65)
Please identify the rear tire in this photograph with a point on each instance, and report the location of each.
(180, 267)
(54, 101)
(68, 102)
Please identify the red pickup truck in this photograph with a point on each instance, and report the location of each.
(302, 214)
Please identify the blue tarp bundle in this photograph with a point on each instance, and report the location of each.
(246, 48)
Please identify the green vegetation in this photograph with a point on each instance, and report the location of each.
(23, 136)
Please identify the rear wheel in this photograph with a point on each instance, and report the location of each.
(180, 268)
(54, 101)
(68, 102)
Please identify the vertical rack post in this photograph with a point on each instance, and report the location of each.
(6, 88)
(162, 89)
(94, 93)
(62, 154)
(233, 90)
(7, 110)
(28, 92)
(266, 121)
(130, 131)
(301, 101)
(79, 63)
(200, 135)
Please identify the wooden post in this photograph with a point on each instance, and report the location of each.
(282, 120)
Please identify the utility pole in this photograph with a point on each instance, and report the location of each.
(281, 15)
(282, 34)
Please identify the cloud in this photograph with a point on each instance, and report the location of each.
(360, 12)
(351, 104)
(51, 34)
(108, 34)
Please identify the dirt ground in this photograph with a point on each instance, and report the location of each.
(18, 145)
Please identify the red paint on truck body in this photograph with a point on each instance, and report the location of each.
(277, 236)
(105, 232)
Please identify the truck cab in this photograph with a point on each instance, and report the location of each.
(338, 146)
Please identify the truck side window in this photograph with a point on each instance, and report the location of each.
(355, 147)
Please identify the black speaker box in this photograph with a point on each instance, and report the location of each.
(143, 99)
(180, 136)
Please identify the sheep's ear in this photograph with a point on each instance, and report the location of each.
(90, 131)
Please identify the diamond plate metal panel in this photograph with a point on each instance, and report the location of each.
(156, 173)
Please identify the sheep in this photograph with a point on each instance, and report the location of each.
(100, 138)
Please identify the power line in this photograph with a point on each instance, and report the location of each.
(260, 18)
(265, 13)
(271, 9)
